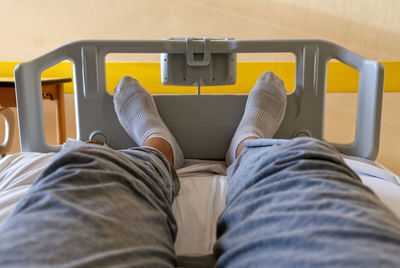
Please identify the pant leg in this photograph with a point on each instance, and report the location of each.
(299, 205)
(95, 207)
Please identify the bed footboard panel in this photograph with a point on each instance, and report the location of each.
(204, 124)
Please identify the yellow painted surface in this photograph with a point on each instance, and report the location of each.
(341, 78)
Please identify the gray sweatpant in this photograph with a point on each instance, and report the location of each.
(293, 205)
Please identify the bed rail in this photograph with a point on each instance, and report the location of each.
(203, 125)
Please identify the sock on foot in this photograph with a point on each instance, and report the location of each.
(265, 108)
(138, 115)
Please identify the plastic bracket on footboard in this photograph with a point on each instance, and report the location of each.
(203, 125)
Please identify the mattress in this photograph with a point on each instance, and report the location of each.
(200, 201)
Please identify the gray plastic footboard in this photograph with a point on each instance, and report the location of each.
(203, 125)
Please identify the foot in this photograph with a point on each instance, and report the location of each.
(138, 115)
(265, 108)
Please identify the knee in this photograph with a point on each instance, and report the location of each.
(90, 157)
(311, 144)
(310, 154)
(301, 153)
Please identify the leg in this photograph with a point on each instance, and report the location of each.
(95, 207)
(139, 117)
(297, 204)
(162, 146)
(265, 108)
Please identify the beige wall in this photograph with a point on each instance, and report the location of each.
(30, 28)
(369, 27)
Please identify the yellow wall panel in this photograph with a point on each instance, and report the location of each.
(340, 78)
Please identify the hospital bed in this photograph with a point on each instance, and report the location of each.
(202, 124)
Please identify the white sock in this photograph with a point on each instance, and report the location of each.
(265, 108)
(138, 115)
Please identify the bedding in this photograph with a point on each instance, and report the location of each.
(201, 200)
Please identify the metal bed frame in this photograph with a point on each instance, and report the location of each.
(202, 124)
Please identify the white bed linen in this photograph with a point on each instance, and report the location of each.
(200, 201)
(17, 173)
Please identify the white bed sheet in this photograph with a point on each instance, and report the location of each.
(202, 196)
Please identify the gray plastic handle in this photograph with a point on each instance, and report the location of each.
(203, 132)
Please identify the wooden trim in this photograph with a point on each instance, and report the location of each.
(49, 91)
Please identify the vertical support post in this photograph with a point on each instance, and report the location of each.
(369, 109)
(61, 130)
(90, 72)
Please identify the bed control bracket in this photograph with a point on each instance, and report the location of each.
(197, 65)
